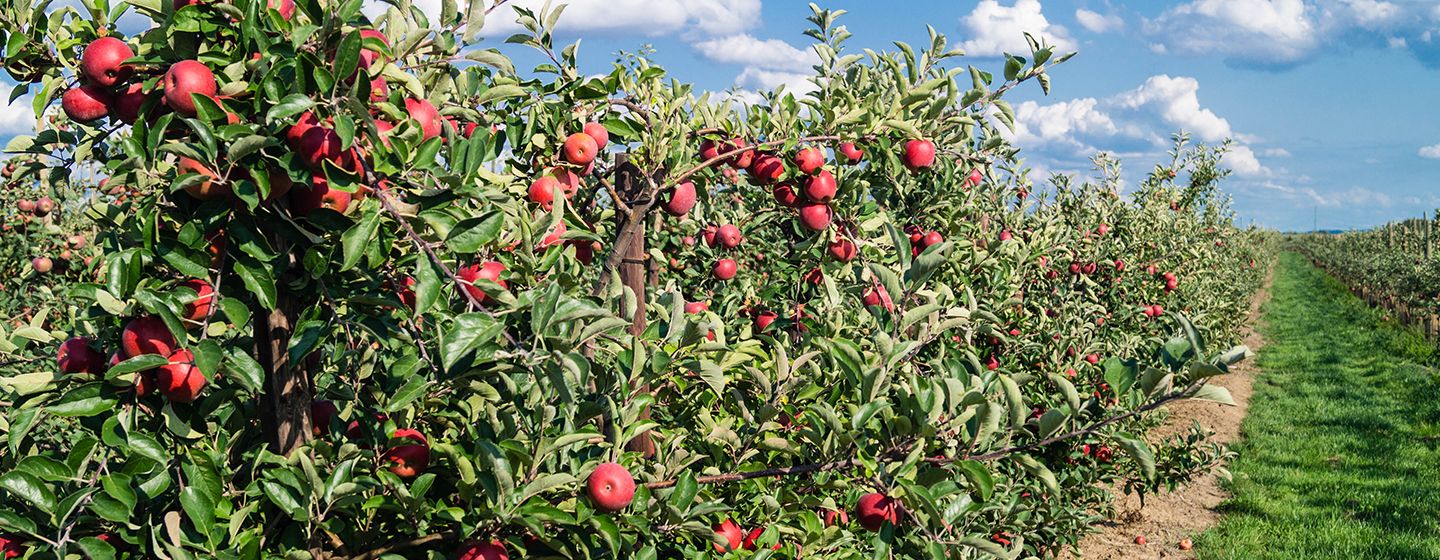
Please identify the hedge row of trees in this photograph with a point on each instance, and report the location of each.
(368, 290)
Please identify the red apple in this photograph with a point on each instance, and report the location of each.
(852, 153)
(878, 295)
(305, 200)
(764, 319)
(199, 308)
(743, 159)
(553, 238)
(709, 150)
(754, 537)
(874, 510)
(919, 154)
(209, 189)
(317, 144)
(809, 160)
(185, 78)
(732, 533)
(146, 335)
(296, 132)
(724, 269)
(495, 550)
(832, 515)
(785, 194)
(821, 187)
(816, 216)
(728, 235)
(11, 547)
(580, 149)
(102, 62)
(321, 413)
(681, 199)
(598, 133)
(44, 205)
(611, 487)
(843, 249)
(368, 56)
(285, 7)
(180, 380)
(42, 265)
(408, 460)
(425, 114)
(77, 356)
(470, 275)
(542, 191)
(931, 239)
(709, 234)
(767, 169)
(86, 103)
(695, 307)
(126, 104)
(975, 177)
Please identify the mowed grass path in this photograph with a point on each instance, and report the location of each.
(1340, 453)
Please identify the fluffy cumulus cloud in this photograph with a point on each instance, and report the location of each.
(1279, 34)
(17, 118)
(1096, 22)
(1430, 152)
(994, 28)
(768, 54)
(1138, 121)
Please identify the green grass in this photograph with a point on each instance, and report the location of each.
(1340, 455)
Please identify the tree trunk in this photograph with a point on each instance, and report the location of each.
(285, 406)
(634, 269)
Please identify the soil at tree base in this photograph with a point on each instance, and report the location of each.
(1167, 518)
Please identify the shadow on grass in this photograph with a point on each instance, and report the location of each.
(1339, 455)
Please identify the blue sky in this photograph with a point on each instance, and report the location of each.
(1332, 103)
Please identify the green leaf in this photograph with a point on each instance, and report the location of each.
(1141, 453)
(354, 240)
(498, 93)
(468, 334)
(413, 388)
(1214, 393)
(247, 145)
(292, 104)
(472, 234)
(979, 478)
(244, 369)
(30, 488)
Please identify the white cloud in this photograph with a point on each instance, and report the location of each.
(1139, 121)
(1275, 153)
(996, 29)
(769, 54)
(765, 80)
(1283, 33)
(1430, 152)
(18, 118)
(1096, 22)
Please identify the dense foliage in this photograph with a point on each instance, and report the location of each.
(1394, 265)
(421, 311)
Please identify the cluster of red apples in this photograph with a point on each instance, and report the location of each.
(178, 380)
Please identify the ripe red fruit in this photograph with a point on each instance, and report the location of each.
(831, 515)
(874, 510)
(285, 7)
(1092, 359)
(919, 154)
(1005, 235)
(199, 308)
(1140, 539)
(76, 356)
(754, 537)
(304, 201)
(185, 78)
(816, 216)
(611, 487)
(317, 144)
(553, 238)
(724, 269)
(408, 460)
(86, 103)
(975, 177)
(598, 133)
(543, 190)
(495, 550)
(695, 307)
(728, 236)
(180, 380)
(742, 160)
(1186, 544)
(321, 412)
(843, 249)
(42, 265)
(785, 194)
(210, 188)
(11, 548)
(878, 295)
(764, 319)
(580, 149)
(766, 169)
(44, 205)
(733, 535)
(101, 62)
(821, 187)
(146, 335)
(27, 206)
(368, 56)
(681, 199)
(932, 238)
(809, 160)
(851, 153)
(709, 150)
(470, 275)
(424, 114)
